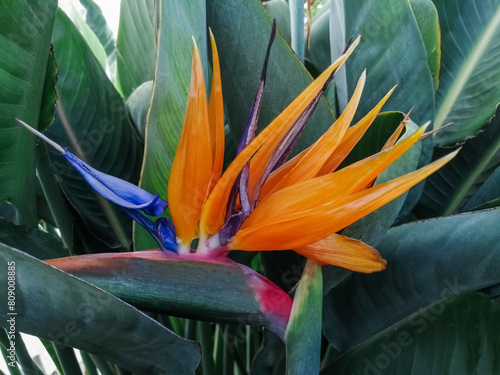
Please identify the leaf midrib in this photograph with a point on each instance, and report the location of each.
(468, 67)
(463, 189)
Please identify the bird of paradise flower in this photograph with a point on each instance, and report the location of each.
(261, 202)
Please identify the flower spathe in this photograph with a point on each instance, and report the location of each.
(261, 202)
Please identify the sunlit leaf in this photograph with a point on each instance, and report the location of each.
(135, 45)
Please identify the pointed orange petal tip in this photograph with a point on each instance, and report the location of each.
(263, 146)
(314, 158)
(216, 117)
(344, 252)
(192, 167)
(352, 137)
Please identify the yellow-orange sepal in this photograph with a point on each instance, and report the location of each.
(344, 252)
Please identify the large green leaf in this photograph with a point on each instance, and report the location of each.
(58, 212)
(270, 359)
(426, 261)
(88, 34)
(387, 32)
(25, 31)
(97, 22)
(186, 286)
(426, 15)
(449, 189)
(242, 29)
(135, 45)
(469, 90)
(68, 311)
(173, 72)
(459, 335)
(93, 122)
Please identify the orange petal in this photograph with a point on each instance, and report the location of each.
(344, 252)
(216, 117)
(317, 154)
(352, 137)
(213, 214)
(335, 158)
(326, 189)
(298, 229)
(192, 167)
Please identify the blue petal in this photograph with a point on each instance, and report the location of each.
(162, 230)
(165, 231)
(118, 191)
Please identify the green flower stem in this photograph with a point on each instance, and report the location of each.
(24, 358)
(207, 348)
(227, 357)
(68, 360)
(177, 325)
(248, 347)
(219, 347)
(90, 367)
(121, 371)
(190, 329)
(4, 344)
(303, 333)
(102, 365)
(12, 370)
(49, 347)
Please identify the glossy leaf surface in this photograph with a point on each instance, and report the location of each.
(449, 190)
(383, 51)
(468, 91)
(25, 31)
(442, 250)
(74, 313)
(420, 344)
(135, 45)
